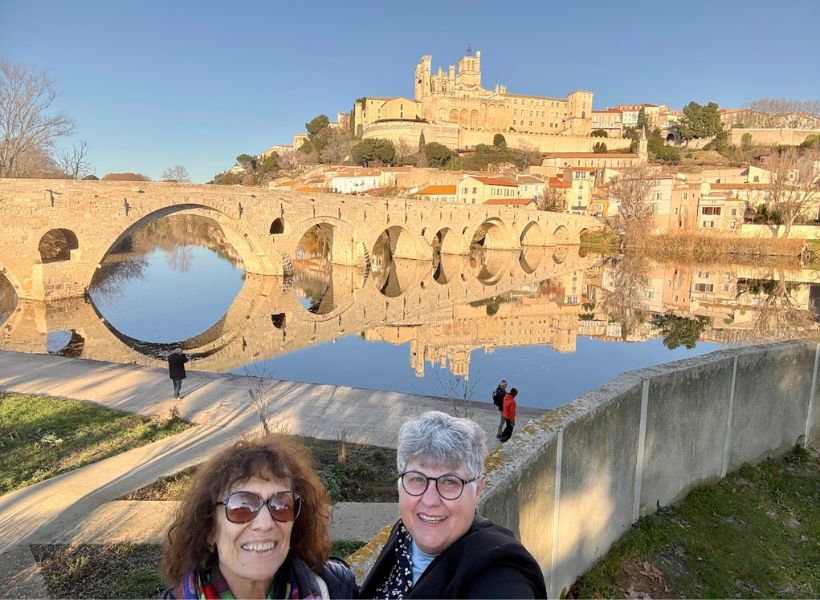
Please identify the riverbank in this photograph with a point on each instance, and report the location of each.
(754, 534)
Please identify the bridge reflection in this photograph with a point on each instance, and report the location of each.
(320, 302)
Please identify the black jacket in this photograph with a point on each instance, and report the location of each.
(486, 562)
(498, 398)
(176, 365)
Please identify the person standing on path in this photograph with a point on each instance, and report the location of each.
(498, 400)
(509, 414)
(176, 368)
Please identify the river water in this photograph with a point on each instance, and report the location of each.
(178, 282)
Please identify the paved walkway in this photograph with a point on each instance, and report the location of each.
(223, 409)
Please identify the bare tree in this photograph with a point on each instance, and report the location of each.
(338, 146)
(794, 187)
(623, 299)
(527, 156)
(26, 97)
(176, 174)
(778, 314)
(775, 106)
(630, 191)
(261, 391)
(460, 393)
(552, 199)
(74, 163)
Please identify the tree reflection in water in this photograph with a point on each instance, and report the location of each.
(780, 315)
(624, 298)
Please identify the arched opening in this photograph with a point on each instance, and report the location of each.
(396, 242)
(316, 243)
(65, 342)
(56, 245)
(277, 227)
(560, 235)
(278, 320)
(453, 116)
(493, 234)
(559, 255)
(532, 235)
(8, 299)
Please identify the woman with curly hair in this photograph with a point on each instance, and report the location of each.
(255, 524)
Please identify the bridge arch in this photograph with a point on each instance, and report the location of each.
(533, 235)
(9, 275)
(495, 234)
(561, 235)
(56, 245)
(343, 248)
(399, 242)
(250, 250)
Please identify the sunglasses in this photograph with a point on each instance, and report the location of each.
(242, 507)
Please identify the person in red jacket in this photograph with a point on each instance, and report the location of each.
(509, 414)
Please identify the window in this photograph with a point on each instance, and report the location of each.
(463, 190)
(734, 212)
(708, 224)
(704, 287)
(733, 224)
(710, 210)
(757, 178)
(474, 190)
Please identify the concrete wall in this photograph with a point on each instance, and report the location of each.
(570, 483)
(770, 137)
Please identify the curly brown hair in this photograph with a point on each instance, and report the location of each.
(268, 456)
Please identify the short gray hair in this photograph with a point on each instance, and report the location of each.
(436, 438)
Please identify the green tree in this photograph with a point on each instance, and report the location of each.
(642, 122)
(680, 331)
(746, 142)
(316, 125)
(699, 121)
(438, 155)
(246, 161)
(421, 154)
(658, 149)
(811, 141)
(599, 148)
(499, 141)
(371, 151)
(600, 133)
(267, 168)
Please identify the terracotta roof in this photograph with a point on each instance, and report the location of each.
(516, 201)
(739, 186)
(437, 190)
(557, 183)
(496, 181)
(529, 179)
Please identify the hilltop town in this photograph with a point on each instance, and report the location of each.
(707, 168)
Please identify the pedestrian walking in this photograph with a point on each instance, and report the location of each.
(498, 400)
(176, 368)
(509, 414)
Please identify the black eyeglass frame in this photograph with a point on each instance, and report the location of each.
(297, 505)
(463, 481)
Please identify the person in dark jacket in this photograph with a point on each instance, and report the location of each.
(440, 547)
(498, 400)
(176, 368)
(255, 524)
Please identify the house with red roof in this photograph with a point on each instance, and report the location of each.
(475, 189)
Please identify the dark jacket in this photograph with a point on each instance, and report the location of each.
(498, 397)
(486, 562)
(176, 365)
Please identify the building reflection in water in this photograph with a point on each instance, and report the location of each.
(437, 314)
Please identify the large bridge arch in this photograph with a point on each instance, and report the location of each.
(402, 243)
(250, 250)
(533, 235)
(343, 247)
(495, 234)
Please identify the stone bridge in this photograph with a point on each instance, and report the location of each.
(56, 233)
(266, 318)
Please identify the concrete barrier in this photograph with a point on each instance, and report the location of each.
(571, 482)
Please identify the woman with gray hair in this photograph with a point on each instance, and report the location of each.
(440, 547)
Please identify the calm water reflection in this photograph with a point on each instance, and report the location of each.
(552, 322)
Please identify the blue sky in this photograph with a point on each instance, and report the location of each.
(152, 84)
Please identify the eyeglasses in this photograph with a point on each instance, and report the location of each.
(449, 487)
(242, 507)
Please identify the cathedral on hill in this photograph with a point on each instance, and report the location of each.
(453, 108)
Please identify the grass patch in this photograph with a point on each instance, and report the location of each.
(367, 475)
(116, 570)
(601, 239)
(43, 436)
(756, 534)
